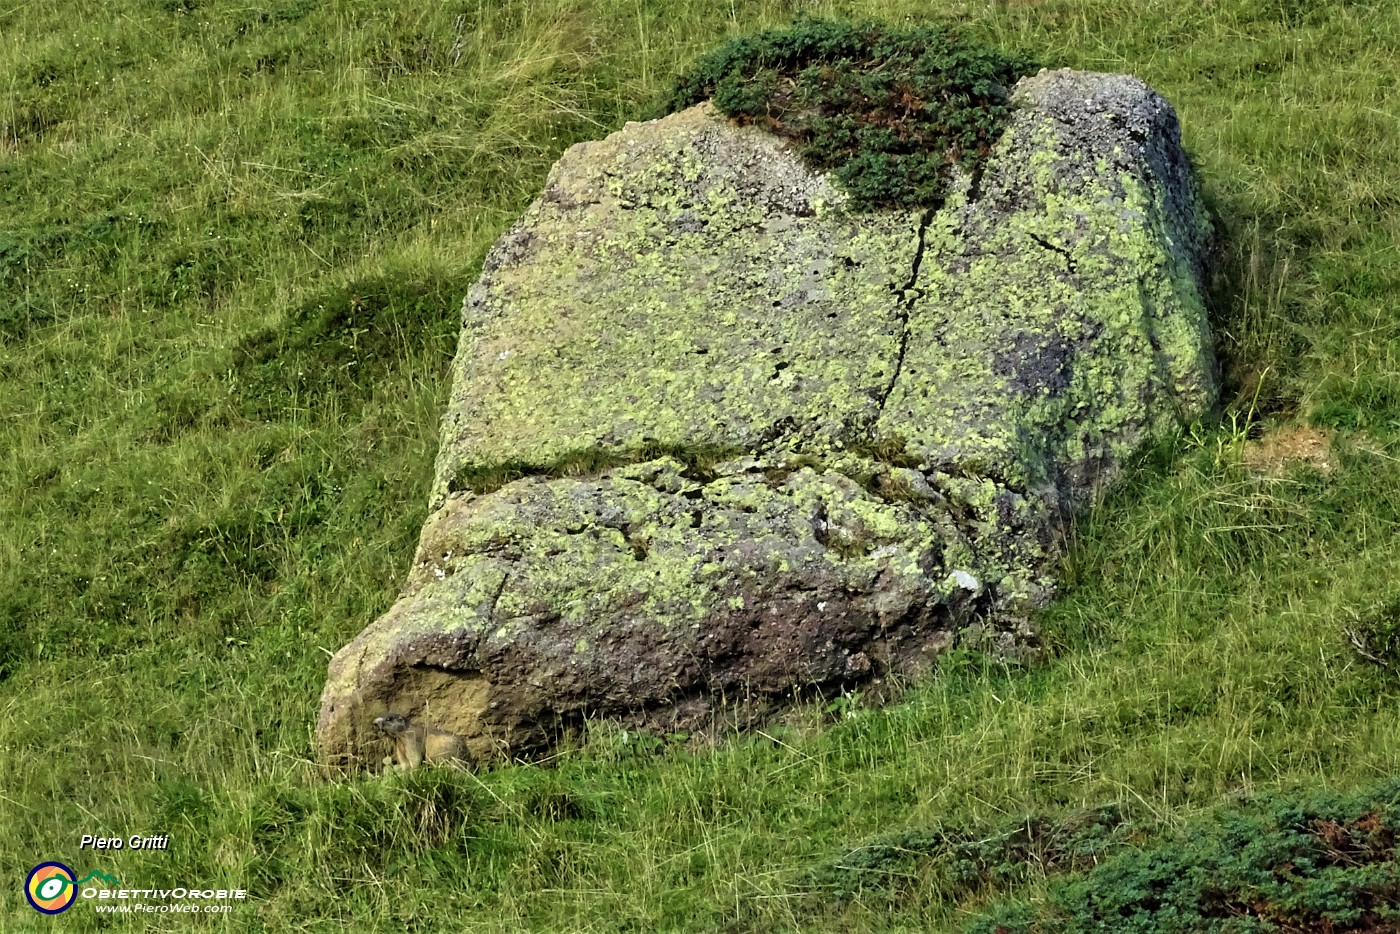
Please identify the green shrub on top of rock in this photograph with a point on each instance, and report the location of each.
(889, 111)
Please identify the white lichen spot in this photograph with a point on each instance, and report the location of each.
(966, 581)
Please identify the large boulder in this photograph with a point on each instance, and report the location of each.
(716, 438)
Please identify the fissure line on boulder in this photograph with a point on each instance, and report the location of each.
(593, 461)
(906, 305)
(496, 597)
(1069, 257)
(433, 666)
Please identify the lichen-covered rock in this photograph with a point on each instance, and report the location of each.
(679, 283)
(897, 413)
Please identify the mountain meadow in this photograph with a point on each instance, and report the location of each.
(235, 236)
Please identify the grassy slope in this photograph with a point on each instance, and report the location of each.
(232, 241)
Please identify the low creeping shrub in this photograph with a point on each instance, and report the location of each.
(889, 111)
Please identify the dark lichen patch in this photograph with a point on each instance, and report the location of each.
(890, 111)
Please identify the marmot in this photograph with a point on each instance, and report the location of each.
(415, 744)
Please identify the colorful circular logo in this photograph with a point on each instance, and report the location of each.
(50, 888)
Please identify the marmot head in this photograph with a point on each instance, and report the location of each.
(391, 724)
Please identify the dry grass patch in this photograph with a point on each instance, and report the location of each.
(1278, 450)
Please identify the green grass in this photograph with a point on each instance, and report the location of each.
(233, 239)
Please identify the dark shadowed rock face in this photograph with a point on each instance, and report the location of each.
(909, 406)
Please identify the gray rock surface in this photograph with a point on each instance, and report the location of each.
(770, 443)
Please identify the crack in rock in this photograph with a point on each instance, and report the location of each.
(1069, 257)
(908, 295)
